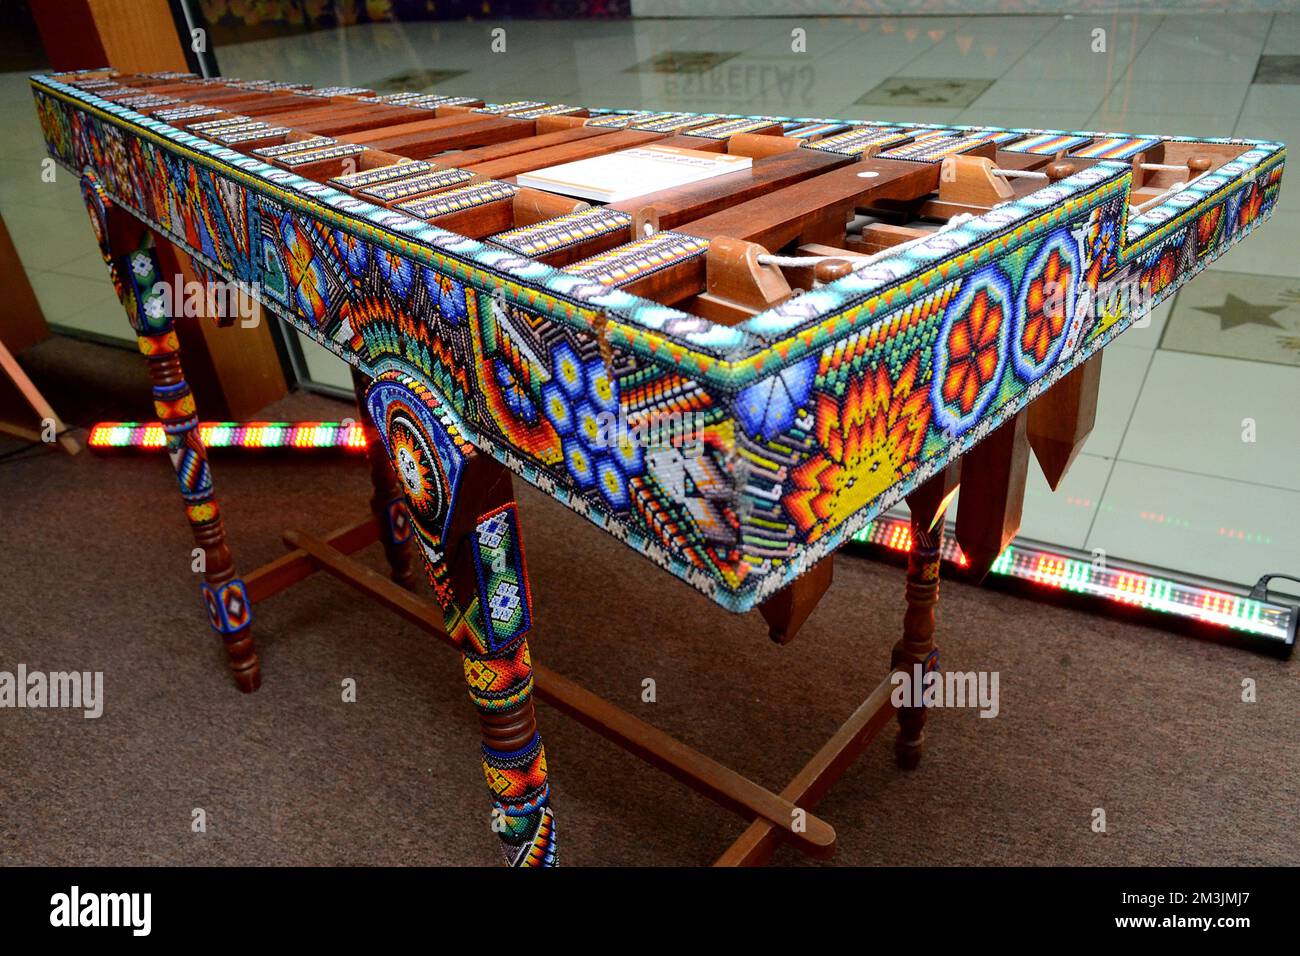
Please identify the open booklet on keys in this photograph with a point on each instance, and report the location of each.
(633, 172)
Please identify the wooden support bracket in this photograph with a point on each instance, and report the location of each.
(1062, 418)
(993, 493)
(737, 285)
(787, 609)
(970, 181)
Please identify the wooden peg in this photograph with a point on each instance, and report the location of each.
(930, 500)
(831, 269)
(970, 180)
(993, 493)
(1058, 171)
(534, 205)
(787, 609)
(643, 217)
(806, 277)
(737, 285)
(555, 124)
(759, 145)
(1062, 418)
(1197, 166)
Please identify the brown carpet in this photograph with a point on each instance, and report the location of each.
(94, 575)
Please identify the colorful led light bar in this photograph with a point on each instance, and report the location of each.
(1274, 623)
(260, 435)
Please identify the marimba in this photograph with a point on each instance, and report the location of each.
(731, 377)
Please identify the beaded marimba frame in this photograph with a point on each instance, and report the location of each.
(819, 411)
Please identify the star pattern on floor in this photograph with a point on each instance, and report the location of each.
(1236, 312)
(924, 91)
(1274, 69)
(682, 61)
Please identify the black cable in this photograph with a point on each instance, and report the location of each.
(1260, 591)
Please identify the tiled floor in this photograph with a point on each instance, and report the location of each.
(1171, 475)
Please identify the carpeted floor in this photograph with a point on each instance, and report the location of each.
(94, 575)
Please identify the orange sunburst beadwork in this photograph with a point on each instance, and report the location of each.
(872, 437)
(414, 470)
(1250, 206)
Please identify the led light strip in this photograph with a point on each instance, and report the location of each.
(269, 435)
(1274, 623)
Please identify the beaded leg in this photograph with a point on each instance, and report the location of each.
(917, 644)
(132, 261)
(466, 527)
(387, 503)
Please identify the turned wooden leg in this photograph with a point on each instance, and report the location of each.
(387, 503)
(465, 524)
(132, 261)
(490, 631)
(917, 644)
(928, 504)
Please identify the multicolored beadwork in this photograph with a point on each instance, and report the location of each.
(796, 416)
(490, 625)
(142, 288)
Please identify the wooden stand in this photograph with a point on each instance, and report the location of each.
(24, 396)
(774, 818)
(507, 718)
(22, 405)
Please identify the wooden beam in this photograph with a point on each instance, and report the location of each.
(759, 841)
(12, 374)
(816, 209)
(297, 565)
(930, 501)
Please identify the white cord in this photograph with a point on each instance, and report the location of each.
(1154, 200)
(1018, 174)
(804, 261)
